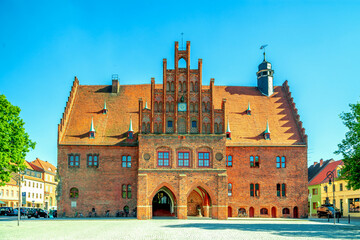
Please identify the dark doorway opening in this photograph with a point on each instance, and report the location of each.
(251, 212)
(296, 212)
(162, 205)
(273, 212)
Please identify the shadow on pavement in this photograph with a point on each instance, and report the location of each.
(285, 230)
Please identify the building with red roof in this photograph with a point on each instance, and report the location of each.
(181, 149)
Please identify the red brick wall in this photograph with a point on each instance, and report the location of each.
(182, 180)
(267, 175)
(98, 187)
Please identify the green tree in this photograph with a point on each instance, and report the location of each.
(350, 147)
(14, 141)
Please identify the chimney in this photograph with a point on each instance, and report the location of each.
(115, 83)
(315, 163)
(321, 162)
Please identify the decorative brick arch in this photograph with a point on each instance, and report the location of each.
(161, 185)
(213, 199)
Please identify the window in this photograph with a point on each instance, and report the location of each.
(170, 124)
(315, 191)
(28, 195)
(12, 193)
(325, 189)
(254, 163)
(229, 161)
(286, 211)
(341, 187)
(264, 211)
(283, 190)
(257, 190)
(74, 193)
(229, 189)
(163, 159)
(40, 185)
(193, 124)
(74, 160)
(278, 190)
(315, 205)
(255, 193)
(126, 191)
(183, 159)
(338, 172)
(36, 195)
(280, 162)
(126, 161)
(354, 205)
(204, 159)
(283, 162)
(123, 191)
(129, 191)
(92, 160)
(40, 195)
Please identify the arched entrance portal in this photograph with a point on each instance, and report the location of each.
(199, 203)
(273, 212)
(164, 203)
(251, 212)
(296, 212)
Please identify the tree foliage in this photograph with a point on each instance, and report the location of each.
(14, 141)
(350, 147)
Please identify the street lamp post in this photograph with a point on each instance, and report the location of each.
(330, 175)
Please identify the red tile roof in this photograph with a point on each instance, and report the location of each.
(321, 177)
(111, 128)
(46, 166)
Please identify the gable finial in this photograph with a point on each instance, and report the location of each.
(104, 111)
(267, 127)
(146, 106)
(228, 126)
(92, 129)
(130, 125)
(248, 110)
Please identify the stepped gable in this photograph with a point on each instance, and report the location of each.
(321, 177)
(111, 128)
(248, 130)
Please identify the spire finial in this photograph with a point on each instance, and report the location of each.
(92, 129)
(146, 106)
(130, 126)
(228, 126)
(267, 127)
(105, 105)
(249, 109)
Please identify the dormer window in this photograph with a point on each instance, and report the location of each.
(92, 135)
(248, 110)
(267, 132)
(267, 136)
(104, 111)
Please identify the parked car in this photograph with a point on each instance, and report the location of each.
(37, 213)
(6, 211)
(328, 211)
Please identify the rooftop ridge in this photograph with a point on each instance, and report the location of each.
(294, 110)
(65, 117)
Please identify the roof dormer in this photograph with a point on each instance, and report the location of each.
(92, 129)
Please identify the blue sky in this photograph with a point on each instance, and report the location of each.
(312, 44)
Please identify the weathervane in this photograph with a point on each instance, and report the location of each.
(263, 47)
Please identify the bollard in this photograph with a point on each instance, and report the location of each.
(349, 218)
(328, 217)
(338, 218)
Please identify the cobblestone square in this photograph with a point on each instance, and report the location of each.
(163, 228)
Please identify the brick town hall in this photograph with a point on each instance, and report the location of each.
(183, 149)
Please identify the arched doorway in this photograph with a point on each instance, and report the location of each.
(251, 212)
(229, 211)
(273, 212)
(164, 203)
(296, 212)
(199, 203)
